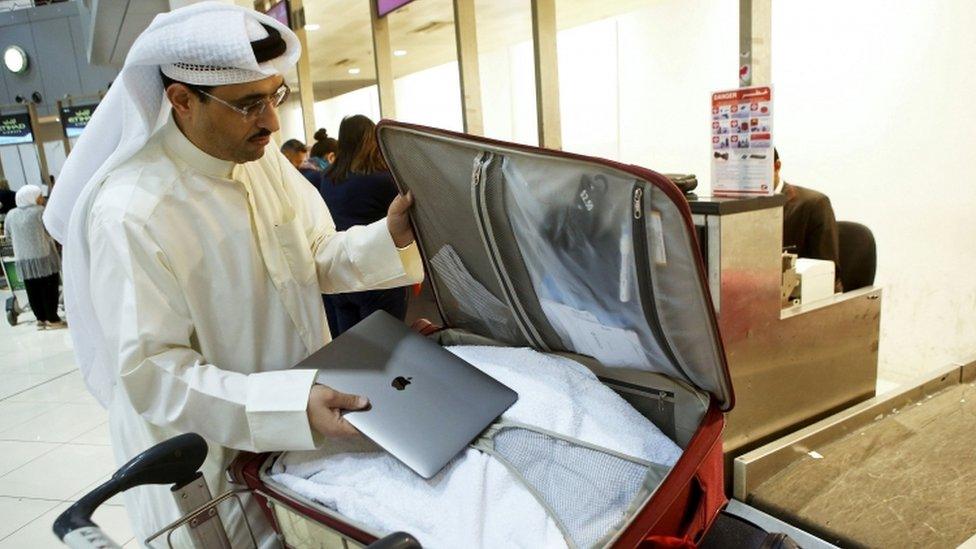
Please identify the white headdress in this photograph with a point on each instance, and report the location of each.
(27, 196)
(208, 43)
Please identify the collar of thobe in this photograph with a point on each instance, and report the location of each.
(186, 151)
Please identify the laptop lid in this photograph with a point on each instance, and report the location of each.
(426, 404)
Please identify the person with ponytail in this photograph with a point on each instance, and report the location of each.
(323, 152)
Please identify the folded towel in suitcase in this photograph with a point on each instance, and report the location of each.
(533, 487)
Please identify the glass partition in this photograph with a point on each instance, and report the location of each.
(427, 85)
(506, 68)
(635, 78)
(340, 44)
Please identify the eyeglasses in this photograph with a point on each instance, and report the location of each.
(256, 109)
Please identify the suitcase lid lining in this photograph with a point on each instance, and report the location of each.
(443, 166)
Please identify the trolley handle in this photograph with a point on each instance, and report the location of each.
(173, 461)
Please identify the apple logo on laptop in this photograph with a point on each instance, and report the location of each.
(400, 383)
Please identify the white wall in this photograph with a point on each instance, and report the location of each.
(20, 165)
(329, 113)
(588, 89)
(508, 94)
(54, 154)
(431, 97)
(875, 107)
(672, 55)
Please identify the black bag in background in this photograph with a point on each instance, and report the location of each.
(729, 530)
(685, 182)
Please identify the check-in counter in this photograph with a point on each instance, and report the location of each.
(790, 366)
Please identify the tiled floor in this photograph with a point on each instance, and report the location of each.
(54, 443)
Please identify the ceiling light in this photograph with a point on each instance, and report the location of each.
(354, 70)
(399, 53)
(312, 27)
(15, 59)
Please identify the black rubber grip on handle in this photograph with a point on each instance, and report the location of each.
(173, 461)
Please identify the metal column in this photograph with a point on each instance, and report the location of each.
(306, 87)
(383, 56)
(755, 42)
(41, 155)
(466, 36)
(546, 73)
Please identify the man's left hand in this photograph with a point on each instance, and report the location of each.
(398, 220)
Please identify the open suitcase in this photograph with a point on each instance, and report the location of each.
(567, 254)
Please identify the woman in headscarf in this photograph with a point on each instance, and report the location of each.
(37, 259)
(358, 189)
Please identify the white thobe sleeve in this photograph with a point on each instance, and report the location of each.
(360, 258)
(144, 317)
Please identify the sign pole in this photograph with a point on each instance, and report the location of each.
(64, 137)
(41, 156)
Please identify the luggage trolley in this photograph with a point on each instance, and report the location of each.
(16, 303)
(508, 234)
(175, 461)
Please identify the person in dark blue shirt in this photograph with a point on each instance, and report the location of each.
(297, 154)
(358, 189)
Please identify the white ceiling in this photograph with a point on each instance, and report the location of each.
(425, 30)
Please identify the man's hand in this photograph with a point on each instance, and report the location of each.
(325, 405)
(398, 221)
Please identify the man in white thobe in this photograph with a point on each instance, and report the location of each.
(197, 262)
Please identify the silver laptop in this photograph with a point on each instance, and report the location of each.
(426, 404)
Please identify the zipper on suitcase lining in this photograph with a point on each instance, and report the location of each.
(478, 192)
(644, 284)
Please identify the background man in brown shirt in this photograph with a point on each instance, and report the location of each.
(809, 226)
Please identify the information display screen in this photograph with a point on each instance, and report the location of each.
(75, 118)
(384, 7)
(15, 129)
(280, 12)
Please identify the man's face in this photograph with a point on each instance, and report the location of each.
(296, 157)
(776, 166)
(224, 133)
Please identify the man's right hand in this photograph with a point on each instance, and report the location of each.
(325, 406)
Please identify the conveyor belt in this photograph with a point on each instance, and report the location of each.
(908, 479)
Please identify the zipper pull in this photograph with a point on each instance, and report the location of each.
(479, 166)
(638, 202)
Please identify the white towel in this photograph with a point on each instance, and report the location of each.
(475, 501)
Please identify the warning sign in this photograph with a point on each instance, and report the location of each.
(742, 141)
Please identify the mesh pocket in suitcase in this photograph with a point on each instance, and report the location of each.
(589, 492)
